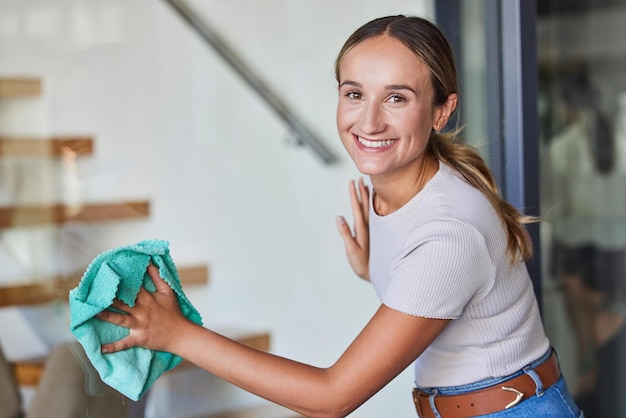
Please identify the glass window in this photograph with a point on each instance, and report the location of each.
(468, 27)
(582, 111)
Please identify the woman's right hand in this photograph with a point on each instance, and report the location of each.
(153, 320)
(357, 243)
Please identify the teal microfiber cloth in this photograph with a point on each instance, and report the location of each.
(120, 273)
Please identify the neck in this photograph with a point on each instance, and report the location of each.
(390, 194)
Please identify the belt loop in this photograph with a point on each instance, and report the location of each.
(538, 383)
(431, 401)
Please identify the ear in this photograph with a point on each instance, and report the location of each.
(443, 112)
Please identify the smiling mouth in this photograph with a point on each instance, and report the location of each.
(375, 144)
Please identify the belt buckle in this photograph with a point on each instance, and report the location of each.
(518, 396)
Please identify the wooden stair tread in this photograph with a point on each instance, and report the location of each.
(57, 288)
(45, 147)
(263, 411)
(34, 215)
(29, 372)
(11, 87)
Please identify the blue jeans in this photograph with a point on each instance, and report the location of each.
(554, 402)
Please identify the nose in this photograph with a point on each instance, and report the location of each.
(372, 119)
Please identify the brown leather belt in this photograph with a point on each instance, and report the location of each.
(489, 400)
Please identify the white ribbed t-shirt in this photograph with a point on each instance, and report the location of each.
(443, 255)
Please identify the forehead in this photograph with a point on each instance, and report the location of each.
(383, 56)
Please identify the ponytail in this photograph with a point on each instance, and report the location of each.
(466, 160)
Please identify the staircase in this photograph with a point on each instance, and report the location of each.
(37, 291)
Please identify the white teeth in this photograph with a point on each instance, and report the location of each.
(375, 144)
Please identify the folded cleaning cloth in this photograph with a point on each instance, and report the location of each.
(120, 273)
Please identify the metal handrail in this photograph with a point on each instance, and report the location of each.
(301, 132)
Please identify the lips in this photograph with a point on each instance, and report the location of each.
(378, 144)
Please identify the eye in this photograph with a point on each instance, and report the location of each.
(396, 98)
(354, 95)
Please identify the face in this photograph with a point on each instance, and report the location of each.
(385, 113)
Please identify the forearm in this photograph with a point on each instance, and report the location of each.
(368, 364)
(155, 322)
(309, 390)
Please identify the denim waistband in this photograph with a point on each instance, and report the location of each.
(470, 387)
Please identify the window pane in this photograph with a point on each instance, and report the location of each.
(582, 105)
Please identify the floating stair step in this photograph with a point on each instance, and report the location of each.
(28, 373)
(57, 288)
(37, 215)
(50, 147)
(11, 87)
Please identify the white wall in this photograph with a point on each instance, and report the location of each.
(173, 124)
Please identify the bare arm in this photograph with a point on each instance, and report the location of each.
(385, 347)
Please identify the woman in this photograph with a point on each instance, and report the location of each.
(589, 240)
(442, 249)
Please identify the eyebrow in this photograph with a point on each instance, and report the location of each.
(401, 87)
(388, 87)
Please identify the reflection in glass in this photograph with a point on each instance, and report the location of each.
(582, 103)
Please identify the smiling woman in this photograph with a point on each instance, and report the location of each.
(444, 252)
(385, 115)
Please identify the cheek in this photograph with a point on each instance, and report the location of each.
(341, 116)
(338, 116)
(417, 123)
(345, 121)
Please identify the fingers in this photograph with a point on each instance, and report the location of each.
(153, 271)
(126, 320)
(359, 198)
(121, 320)
(118, 304)
(160, 284)
(150, 320)
(360, 211)
(345, 232)
(356, 241)
(355, 201)
(123, 344)
(365, 200)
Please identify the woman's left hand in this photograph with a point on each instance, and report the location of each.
(358, 243)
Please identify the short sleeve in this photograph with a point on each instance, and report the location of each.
(440, 269)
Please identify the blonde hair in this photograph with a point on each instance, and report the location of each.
(432, 48)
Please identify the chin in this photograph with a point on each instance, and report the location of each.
(369, 169)
(369, 164)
